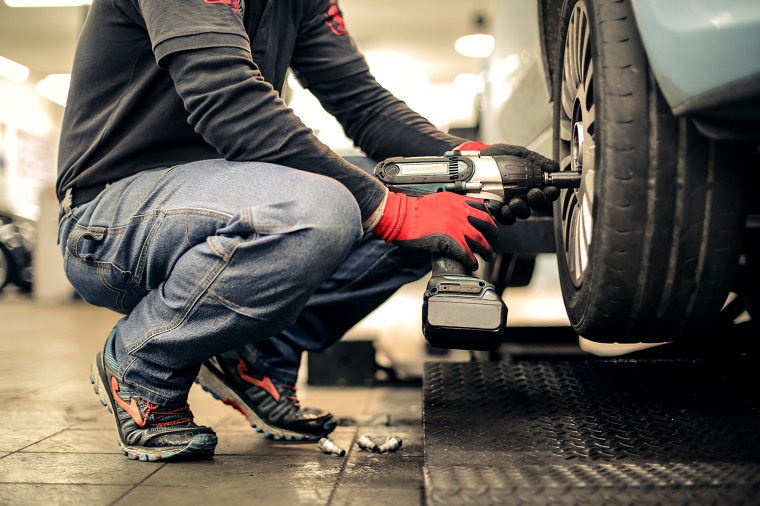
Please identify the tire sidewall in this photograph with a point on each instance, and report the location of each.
(621, 136)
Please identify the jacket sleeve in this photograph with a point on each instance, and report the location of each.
(240, 114)
(327, 62)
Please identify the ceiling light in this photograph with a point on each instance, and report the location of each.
(55, 87)
(478, 45)
(47, 3)
(13, 71)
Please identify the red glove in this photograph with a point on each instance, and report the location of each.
(442, 222)
(473, 146)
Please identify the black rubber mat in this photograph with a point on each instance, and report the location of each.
(587, 432)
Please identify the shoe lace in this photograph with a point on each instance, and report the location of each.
(173, 417)
(293, 397)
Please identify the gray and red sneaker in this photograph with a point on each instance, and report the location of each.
(147, 431)
(270, 406)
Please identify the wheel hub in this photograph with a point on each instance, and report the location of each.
(577, 146)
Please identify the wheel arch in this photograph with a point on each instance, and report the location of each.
(549, 15)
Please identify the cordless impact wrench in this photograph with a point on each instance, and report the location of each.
(459, 310)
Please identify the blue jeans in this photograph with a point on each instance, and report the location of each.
(213, 256)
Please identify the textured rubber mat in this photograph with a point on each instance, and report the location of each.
(587, 432)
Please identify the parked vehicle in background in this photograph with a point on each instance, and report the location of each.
(658, 104)
(16, 245)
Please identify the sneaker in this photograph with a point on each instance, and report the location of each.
(270, 406)
(147, 431)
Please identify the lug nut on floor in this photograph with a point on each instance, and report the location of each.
(391, 445)
(328, 446)
(365, 443)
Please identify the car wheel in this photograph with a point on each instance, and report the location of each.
(648, 245)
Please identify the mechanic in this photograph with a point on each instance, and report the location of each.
(197, 204)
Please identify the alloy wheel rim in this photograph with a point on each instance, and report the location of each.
(577, 147)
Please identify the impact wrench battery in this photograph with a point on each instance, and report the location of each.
(460, 310)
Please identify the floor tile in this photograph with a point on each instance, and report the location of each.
(319, 471)
(51, 419)
(252, 443)
(79, 441)
(15, 439)
(91, 495)
(58, 445)
(342, 402)
(231, 422)
(380, 471)
(257, 492)
(77, 390)
(372, 496)
(103, 421)
(402, 405)
(90, 469)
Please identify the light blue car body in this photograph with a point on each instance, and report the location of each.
(696, 46)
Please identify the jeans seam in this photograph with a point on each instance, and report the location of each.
(192, 301)
(107, 265)
(214, 294)
(120, 294)
(218, 253)
(142, 259)
(153, 184)
(187, 231)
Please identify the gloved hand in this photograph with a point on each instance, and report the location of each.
(537, 199)
(442, 222)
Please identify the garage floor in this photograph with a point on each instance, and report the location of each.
(58, 445)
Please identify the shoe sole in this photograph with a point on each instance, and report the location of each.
(213, 384)
(200, 447)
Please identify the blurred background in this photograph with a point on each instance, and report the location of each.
(440, 56)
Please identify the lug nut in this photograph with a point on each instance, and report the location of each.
(365, 443)
(391, 445)
(328, 446)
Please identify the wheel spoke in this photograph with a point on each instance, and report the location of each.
(579, 44)
(586, 229)
(589, 117)
(589, 171)
(576, 138)
(584, 57)
(568, 101)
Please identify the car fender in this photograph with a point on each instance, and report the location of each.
(699, 46)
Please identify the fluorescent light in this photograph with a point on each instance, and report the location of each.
(55, 87)
(20, 108)
(478, 45)
(47, 3)
(13, 71)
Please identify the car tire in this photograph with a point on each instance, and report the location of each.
(648, 246)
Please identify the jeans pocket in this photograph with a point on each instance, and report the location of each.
(100, 283)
